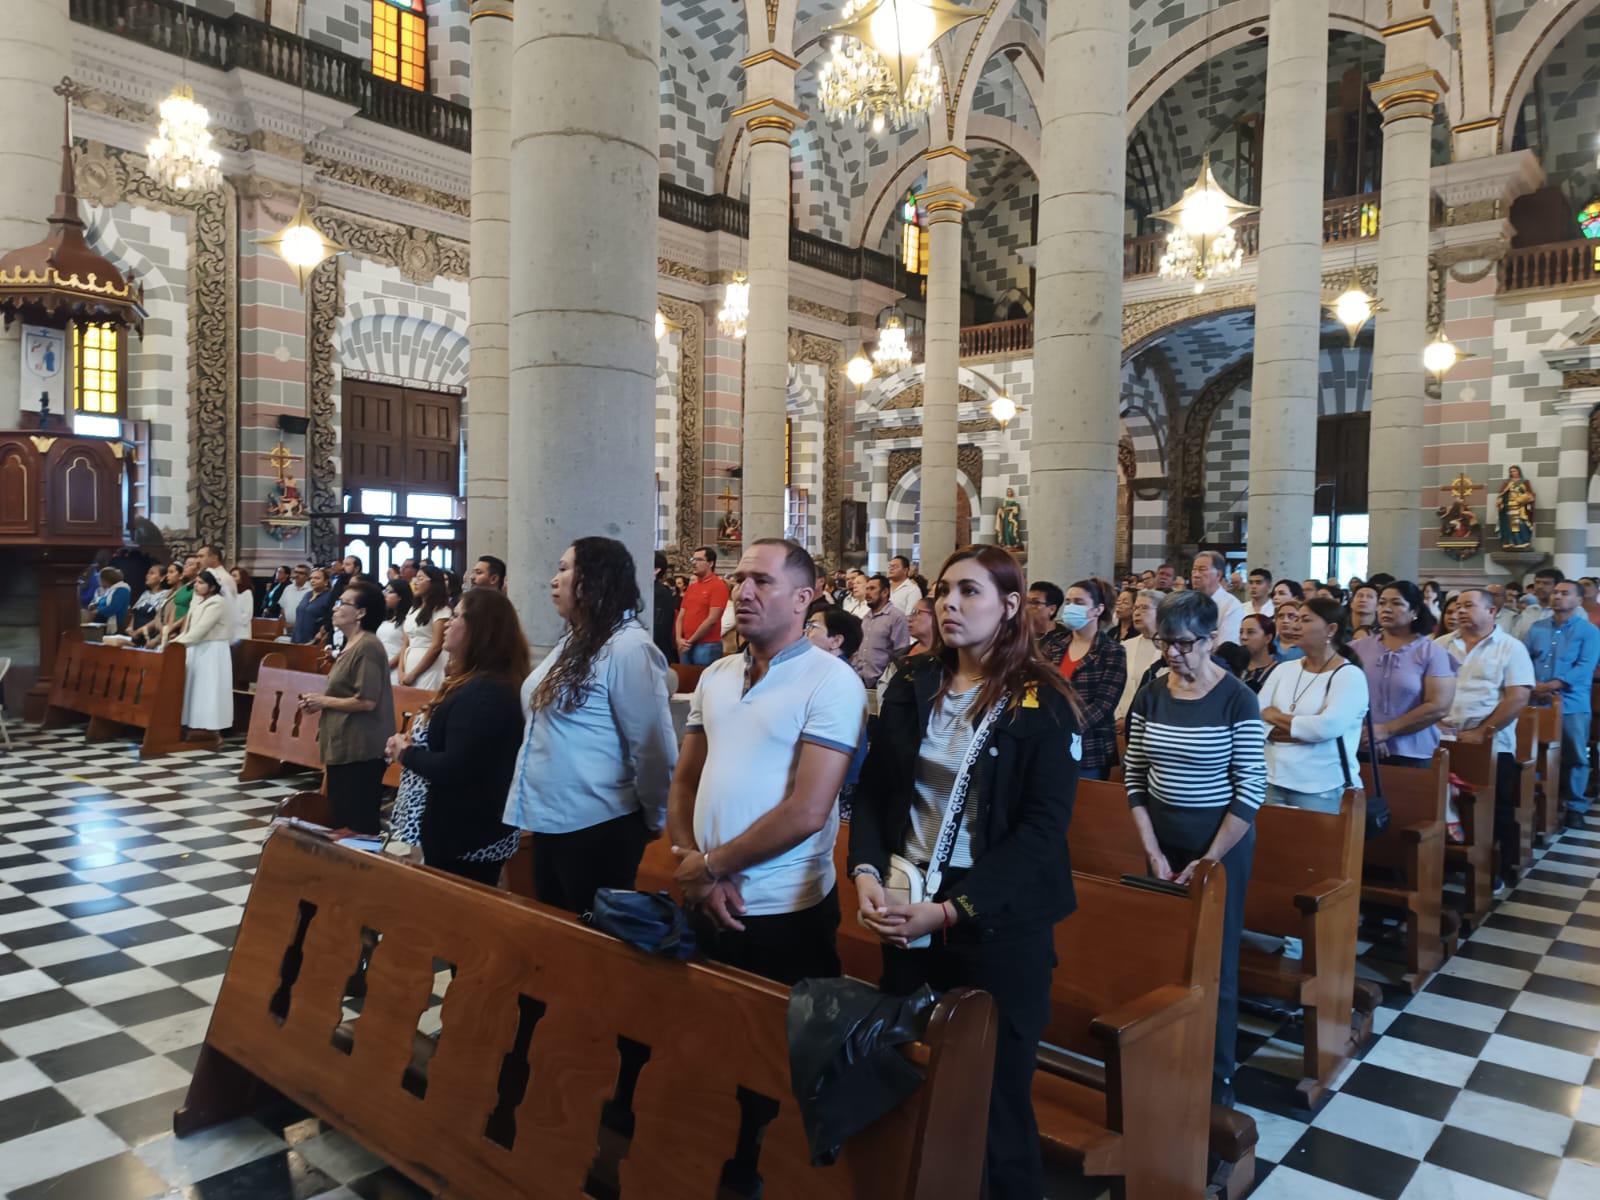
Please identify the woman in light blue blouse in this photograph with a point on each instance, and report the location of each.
(599, 749)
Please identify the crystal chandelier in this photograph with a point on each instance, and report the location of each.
(1202, 245)
(893, 352)
(180, 156)
(733, 318)
(882, 71)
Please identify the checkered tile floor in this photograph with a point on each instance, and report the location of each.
(122, 883)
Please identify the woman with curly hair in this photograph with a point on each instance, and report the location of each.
(599, 749)
(460, 754)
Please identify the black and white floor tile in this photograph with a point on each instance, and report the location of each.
(122, 883)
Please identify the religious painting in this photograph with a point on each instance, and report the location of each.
(1460, 531)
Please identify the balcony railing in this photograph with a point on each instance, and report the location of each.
(241, 43)
(1553, 265)
(1349, 219)
(1001, 337)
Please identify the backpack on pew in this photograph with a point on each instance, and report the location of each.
(1377, 805)
(648, 921)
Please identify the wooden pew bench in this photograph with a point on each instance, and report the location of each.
(1304, 882)
(567, 1062)
(267, 628)
(1473, 857)
(280, 732)
(408, 702)
(248, 655)
(1404, 868)
(1136, 992)
(1539, 742)
(116, 687)
(1474, 764)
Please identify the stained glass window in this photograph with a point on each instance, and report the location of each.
(913, 237)
(1589, 221)
(95, 376)
(400, 42)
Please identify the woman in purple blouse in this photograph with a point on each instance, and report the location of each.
(1410, 677)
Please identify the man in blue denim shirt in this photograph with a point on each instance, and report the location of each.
(1564, 648)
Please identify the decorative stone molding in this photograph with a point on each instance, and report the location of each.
(822, 312)
(911, 397)
(969, 462)
(690, 319)
(810, 348)
(1580, 379)
(108, 175)
(672, 269)
(420, 255)
(1474, 212)
(1190, 459)
(387, 185)
(1144, 318)
(889, 433)
(1594, 441)
(324, 303)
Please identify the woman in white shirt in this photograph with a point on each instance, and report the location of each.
(1140, 648)
(244, 602)
(1313, 709)
(422, 662)
(392, 633)
(598, 751)
(208, 675)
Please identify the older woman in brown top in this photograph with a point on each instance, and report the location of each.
(357, 711)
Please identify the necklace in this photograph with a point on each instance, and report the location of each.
(1295, 701)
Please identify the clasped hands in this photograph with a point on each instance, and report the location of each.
(1162, 869)
(720, 898)
(898, 924)
(397, 745)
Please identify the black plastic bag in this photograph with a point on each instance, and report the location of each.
(843, 1065)
(647, 921)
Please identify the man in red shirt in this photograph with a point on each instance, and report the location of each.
(699, 628)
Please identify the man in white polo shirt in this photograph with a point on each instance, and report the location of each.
(904, 593)
(1206, 575)
(752, 813)
(1493, 685)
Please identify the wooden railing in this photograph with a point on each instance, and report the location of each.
(241, 43)
(1001, 337)
(1348, 219)
(1555, 264)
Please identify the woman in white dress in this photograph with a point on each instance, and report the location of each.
(422, 661)
(397, 598)
(244, 603)
(208, 676)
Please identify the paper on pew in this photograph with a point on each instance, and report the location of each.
(356, 842)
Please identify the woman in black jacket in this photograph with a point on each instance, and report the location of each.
(462, 749)
(967, 791)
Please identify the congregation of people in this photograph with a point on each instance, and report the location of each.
(941, 729)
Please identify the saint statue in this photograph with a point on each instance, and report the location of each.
(1008, 521)
(730, 528)
(1516, 506)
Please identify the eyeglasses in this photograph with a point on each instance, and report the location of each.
(813, 626)
(1181, 645)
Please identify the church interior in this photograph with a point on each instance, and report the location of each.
(1308, 286)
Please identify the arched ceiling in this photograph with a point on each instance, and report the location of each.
(1559, 115)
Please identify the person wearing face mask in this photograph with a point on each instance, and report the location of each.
(1096, 666)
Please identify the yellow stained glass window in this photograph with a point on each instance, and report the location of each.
(94, 359)
(400, 42)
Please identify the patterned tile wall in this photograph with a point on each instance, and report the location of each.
(153, 246)
(1564, 96)
(1001, 93)
(341, 24)
(669, 352)
(450, 49)
(1000, 223)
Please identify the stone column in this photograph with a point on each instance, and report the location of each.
(944, 201)
(584, 170)
(770, 119)
(1572, 481)
(1406, 95)
(878, 513)
(1284, 383)
(490, 285)
(35, 52)
(1078, 319)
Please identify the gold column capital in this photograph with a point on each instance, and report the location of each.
(765, 56)
(1425, 22)
(499, 10)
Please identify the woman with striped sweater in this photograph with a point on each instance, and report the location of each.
(1196, 775)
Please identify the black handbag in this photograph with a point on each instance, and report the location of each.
(648, 921)
(1377, 806)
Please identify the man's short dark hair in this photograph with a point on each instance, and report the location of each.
(369, 598)
(1053, 596)
(902, 560)
(843, 625)
(661, 562)
(882, 581)
(1381, 580)
(1261, 573)
(1553, 574)
(797, 559)
(497, 566)
(710, 552)
(356, 558)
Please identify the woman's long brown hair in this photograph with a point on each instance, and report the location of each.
(1012, 663)
(495, 646)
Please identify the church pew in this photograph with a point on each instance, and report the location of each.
(1473, 764)
(685, 677)
(120, 686)
(567, 1062)
(1404, 868)
(408, 702)
(281, 732)
(1137, 992)
(248, 655)
(1539, 741)
(266, 628)
(1304, 882)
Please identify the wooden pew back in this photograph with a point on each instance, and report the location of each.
(568, 1063)
(266, 627)
(249, 653)
(1102, 839)
(115, 686)
(1296, 850)
(1416, 796)
(408, 702)
(279, 728)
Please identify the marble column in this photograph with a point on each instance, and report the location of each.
(1078, 319)
(1284, 382)
(584, 172)
(878, 513)
(1572, 482)
(35, 52)
(944, 201)
(1406, 96)
(770, 119)
(490, 284)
